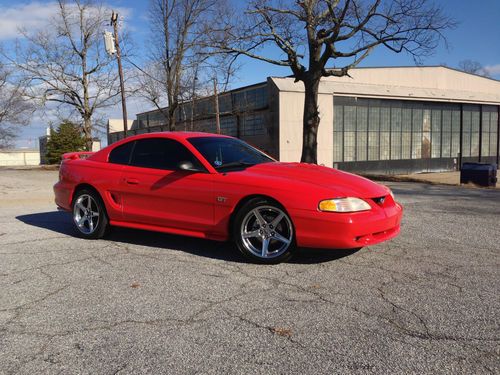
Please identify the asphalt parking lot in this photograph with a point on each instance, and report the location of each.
(141, 302)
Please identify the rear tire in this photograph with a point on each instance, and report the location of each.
(89, 214)
(264, 232)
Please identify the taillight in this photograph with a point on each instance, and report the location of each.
(61, 171)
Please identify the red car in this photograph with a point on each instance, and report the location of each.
(220, 188)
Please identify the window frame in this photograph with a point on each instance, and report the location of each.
(200, 167)
(120, 146)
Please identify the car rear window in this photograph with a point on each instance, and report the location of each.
(121, 154)
(161, 153)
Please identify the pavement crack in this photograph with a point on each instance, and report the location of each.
(31, 241)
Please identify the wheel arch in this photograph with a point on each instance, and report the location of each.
(86, 186)
(83, 186)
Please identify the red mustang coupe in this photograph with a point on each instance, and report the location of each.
(220, 188)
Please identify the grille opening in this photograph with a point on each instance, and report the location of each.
(380, 200)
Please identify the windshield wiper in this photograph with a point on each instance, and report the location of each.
(235, 164)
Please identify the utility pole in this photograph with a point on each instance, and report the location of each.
(114, 23)
(216, 98)
(193, 97)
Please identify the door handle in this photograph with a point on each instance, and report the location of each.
(132, 181)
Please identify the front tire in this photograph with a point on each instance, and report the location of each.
(89, 214)
(264, 232)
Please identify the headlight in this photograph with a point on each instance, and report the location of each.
(343, 205)
(392, 195)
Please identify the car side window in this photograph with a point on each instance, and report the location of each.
(121, 154)
(161, 153)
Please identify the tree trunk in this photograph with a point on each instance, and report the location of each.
(310, 121)
(171, 117)
(87, 132)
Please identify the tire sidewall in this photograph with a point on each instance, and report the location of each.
(103, 223)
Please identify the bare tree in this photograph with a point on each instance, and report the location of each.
(308, 34)
(15, 109)
(178, 55)
(473, 67)
(66, 62)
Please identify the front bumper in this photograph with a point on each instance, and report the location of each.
(318, 229)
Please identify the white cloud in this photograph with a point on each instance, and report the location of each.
(34, 15)
(493, 70)
(30, 16)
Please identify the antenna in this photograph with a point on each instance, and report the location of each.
(109, 43)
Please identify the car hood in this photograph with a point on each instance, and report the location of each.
(341, 184)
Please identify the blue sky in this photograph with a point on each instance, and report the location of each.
(477, 37)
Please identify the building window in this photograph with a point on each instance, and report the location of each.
(406, 123)
(467, 115)
(436, 133)
(373, 133)
(372, 129)
(446, 133)
(250, 99)
(204, 107)
(455, 133)
(426, 134)
(485, 134)
(206, 125)
(228, 126)
(239, 101)
(385, 134)
(225, 103)
(253, 124)
(474, 139)
(338, 130)
(416, 133)
(349, 133)
(362, 131)
(157, 118)
(494, 147)
(395, 133)
(489, 131)
(259, 97)
(142, 120)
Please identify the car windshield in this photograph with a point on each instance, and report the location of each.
(227, 153)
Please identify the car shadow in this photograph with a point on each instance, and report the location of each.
(60, 222)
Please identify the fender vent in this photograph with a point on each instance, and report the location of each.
(115, 199)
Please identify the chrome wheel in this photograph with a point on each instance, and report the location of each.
(266, 232)
(86, 214)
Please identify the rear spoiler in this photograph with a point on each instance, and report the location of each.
(77, 155)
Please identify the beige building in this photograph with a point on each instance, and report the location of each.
(379, 120)
(19, 158)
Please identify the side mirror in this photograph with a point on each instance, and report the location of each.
(188, 166)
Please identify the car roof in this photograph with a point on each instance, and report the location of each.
(176, 135)
(102, 155)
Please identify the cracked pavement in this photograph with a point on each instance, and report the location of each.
(141, 302)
